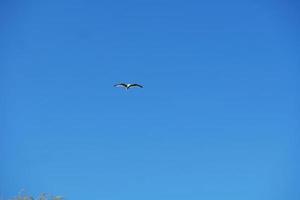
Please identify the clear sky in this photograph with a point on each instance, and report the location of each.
(218, 117)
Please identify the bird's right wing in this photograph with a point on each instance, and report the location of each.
(120, 85)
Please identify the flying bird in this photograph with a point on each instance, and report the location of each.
(128, 85)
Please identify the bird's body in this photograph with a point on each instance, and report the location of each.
(128, 85)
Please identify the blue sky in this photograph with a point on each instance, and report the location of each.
(218, 117)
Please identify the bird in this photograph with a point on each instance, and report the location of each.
(128, 85)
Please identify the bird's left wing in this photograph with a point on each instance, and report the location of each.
(136, 85)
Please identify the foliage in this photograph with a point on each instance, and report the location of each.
(42, 196)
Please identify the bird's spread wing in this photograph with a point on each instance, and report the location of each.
(120, 85)
(135, 85)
